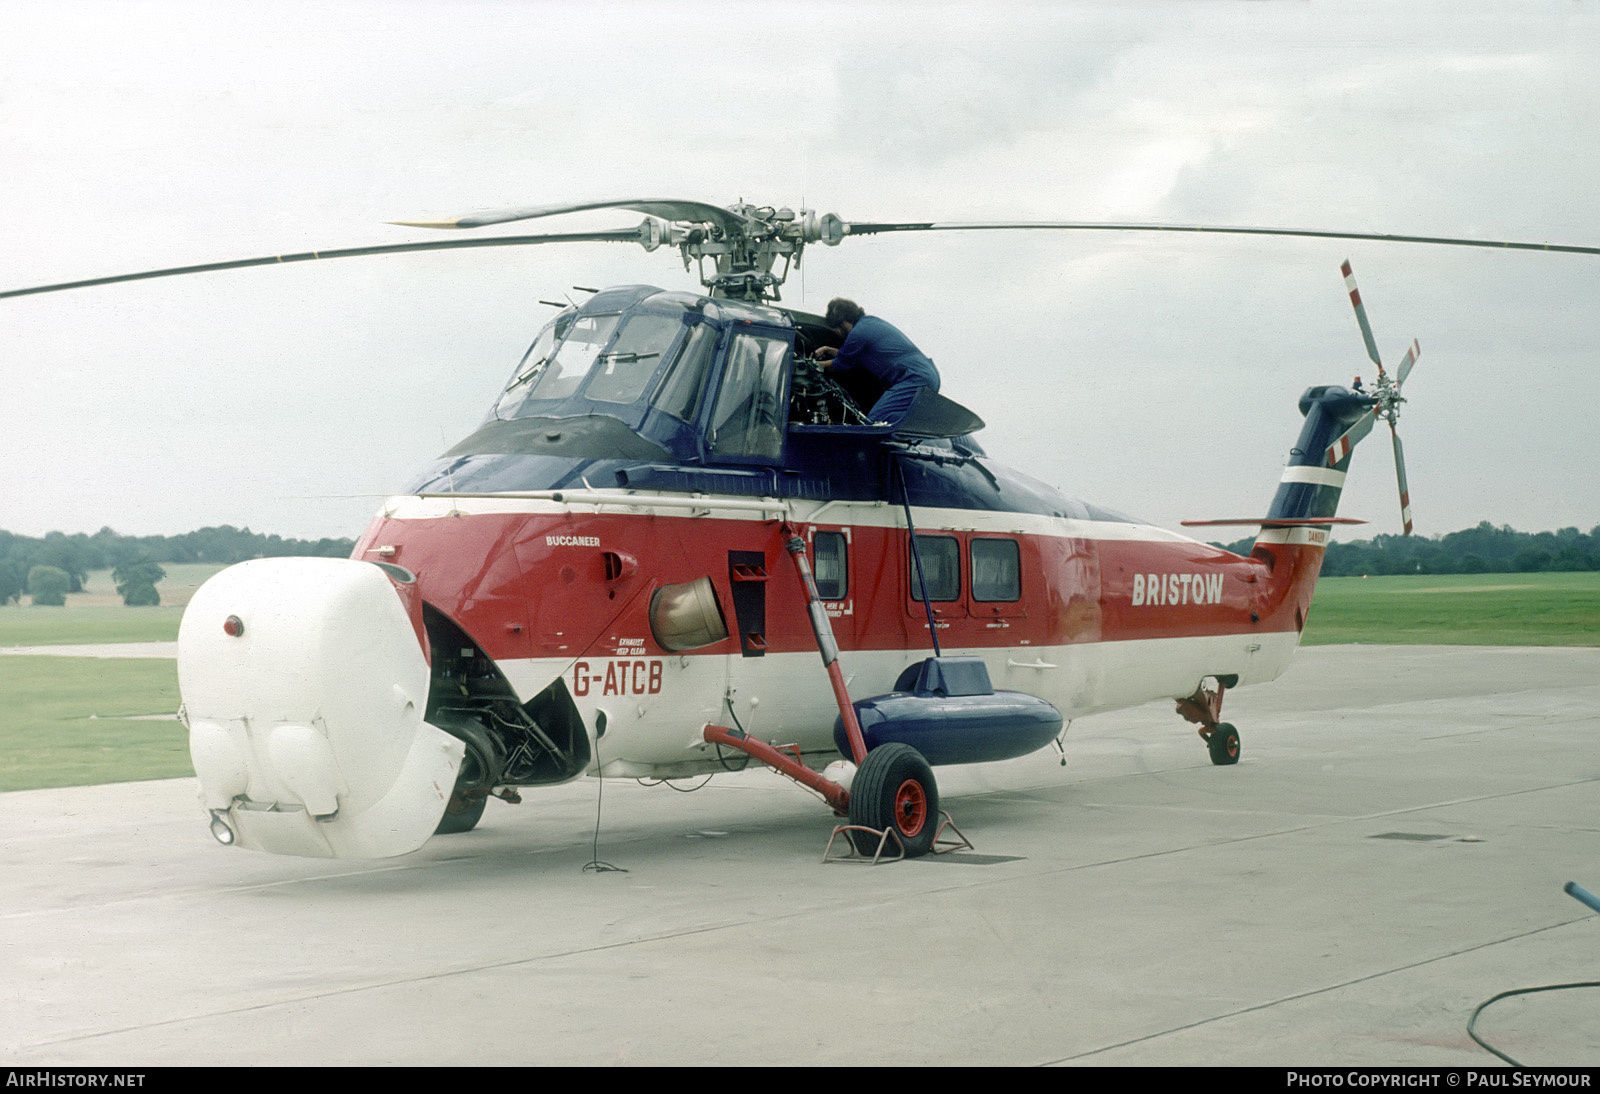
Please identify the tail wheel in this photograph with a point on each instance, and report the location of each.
(894, 788)
(1223, 745)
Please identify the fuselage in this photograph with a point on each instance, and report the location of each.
(671, 470)
(1089, 615)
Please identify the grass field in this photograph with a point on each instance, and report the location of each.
(1458, 609)
(182, 579)
(75, 625)
(80, 721)
(64, 720)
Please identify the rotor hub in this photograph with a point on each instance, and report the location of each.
(746, 246)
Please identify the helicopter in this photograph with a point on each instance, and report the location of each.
(670, 513)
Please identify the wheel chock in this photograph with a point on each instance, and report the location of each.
(851, 855)
(942, 844)
(946, 839)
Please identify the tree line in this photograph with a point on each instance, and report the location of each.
(58, 564)
(1480, 550)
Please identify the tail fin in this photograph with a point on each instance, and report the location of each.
(1311, 482)
(1308, 495)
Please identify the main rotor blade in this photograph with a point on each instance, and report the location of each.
(1361, 315)
(666, 209)
(1407, 362)
(1340, 448)
(624, 235)
(870, 228)
(1400, 475)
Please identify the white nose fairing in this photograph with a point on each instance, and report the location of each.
(306, 727)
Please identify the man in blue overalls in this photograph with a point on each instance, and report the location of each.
(872, 344)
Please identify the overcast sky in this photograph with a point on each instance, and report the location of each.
(1153, 374)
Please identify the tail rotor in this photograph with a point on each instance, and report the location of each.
(1386, 400)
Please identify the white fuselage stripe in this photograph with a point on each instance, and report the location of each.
(1299, 537)
(785, 698)
(870, 514)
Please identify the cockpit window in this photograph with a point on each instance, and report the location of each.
(531, 366)
(678, 393)
(584, 340)
(749, 415)
(626, 367)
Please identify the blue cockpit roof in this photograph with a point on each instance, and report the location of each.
(645, 388)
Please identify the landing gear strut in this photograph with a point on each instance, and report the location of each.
(893, 790)
(1203, 708)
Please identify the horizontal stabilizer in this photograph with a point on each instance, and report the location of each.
(1274, 522)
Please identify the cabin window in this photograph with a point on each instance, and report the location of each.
(941, 568)
(996, 570)
(749, 415)
(678, 393)
(625, 368)
(586, 337)
(830, 565)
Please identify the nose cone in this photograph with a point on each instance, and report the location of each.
(306, 716)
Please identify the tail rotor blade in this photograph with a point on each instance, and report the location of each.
(1407, 362)
(1400, 475)
(1340, 448)
(1361, 315)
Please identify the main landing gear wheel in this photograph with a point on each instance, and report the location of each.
(894, 788)
(1223, 745)
(480, 765)
(462, 819)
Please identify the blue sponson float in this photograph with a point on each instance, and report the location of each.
(946, 709)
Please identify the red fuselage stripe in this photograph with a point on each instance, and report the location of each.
(535, 585)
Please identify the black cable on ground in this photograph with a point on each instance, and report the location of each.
(1507, 995)
(669, 784)
(595, 864)
(1581, 895)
